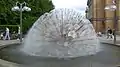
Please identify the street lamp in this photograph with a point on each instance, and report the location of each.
(113, 7)
(22, 7)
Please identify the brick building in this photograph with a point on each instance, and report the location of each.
(101, 18)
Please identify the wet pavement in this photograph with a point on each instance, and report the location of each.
(109, 57)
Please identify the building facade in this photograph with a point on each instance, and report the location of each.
(101, 18)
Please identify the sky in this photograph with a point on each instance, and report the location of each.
(77, 4)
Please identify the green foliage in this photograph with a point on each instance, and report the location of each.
(38, 7)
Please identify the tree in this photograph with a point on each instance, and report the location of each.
(8, 17)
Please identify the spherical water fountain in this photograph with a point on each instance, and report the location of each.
(62, 33)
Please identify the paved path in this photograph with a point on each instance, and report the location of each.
(7, 42)
(103, 39)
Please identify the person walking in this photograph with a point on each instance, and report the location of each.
(109, 33)
(7, 34)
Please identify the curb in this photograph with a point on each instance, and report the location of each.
(5, 45)
(110, 44)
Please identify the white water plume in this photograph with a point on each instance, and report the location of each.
(61, 33)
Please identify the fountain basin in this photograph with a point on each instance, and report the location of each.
(5, 63)
(17, 58)
(10, 56)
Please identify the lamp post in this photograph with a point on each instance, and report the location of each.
(22, 7)
(113, 7)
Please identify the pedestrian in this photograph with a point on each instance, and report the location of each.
(113, 33)
(99, 34)
(18, 33)
(109, 33)
(7, 34)
(1, 36)
(14, 35)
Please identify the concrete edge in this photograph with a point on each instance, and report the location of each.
(110, 44)
(5, 45)
(4, 63)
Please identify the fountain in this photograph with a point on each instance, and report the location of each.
(61, 33)
(58, 35)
